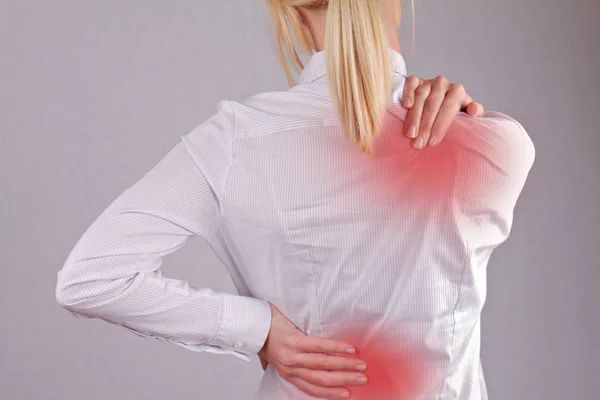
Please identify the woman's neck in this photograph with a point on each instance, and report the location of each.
(316, 23)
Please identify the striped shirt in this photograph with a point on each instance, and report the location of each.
(387, 251)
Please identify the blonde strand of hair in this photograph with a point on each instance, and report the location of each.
(357, 59)
(290, 36)
(358, 66)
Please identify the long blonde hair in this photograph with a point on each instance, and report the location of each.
(357, 59)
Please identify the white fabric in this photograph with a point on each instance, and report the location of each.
(393, 245)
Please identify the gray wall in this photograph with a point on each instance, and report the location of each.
(94, 93)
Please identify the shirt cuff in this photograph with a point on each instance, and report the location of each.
(245, 325)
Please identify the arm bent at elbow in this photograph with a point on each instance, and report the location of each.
(113, 273)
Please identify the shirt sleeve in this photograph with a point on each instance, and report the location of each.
(494, 157)
(113, 272)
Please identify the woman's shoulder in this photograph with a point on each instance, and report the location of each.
(496, 136)
(285, 110)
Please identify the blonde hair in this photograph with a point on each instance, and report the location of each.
(357, 59)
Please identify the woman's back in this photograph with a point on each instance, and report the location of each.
(387, 252)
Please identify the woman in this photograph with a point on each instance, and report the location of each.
(358, 259)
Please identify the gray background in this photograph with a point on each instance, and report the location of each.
(94, 93)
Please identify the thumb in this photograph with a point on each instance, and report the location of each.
(263, 363)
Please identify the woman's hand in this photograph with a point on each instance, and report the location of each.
(306, 362)
(433, 105)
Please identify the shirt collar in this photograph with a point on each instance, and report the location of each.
(316, 68)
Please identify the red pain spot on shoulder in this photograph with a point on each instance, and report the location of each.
(429, 175)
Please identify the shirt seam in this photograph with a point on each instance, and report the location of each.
(458, 298)
(242, 136)
(466, 259)
(324, 74)
(281, 222)
(317, 304)
(222, 199)
(220, 334)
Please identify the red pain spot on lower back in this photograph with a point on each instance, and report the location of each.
(395, 371)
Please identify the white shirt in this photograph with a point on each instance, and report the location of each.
(389, 250)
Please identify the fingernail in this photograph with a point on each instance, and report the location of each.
(419, 142)
(407, 101)
(344, 395)
(412, 132)
(350, 350)
(362, 380)
(361, 367)
(433, 140)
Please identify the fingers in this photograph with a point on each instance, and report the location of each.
(454, 100)
(411, 84)
(475, 109)
(320, 392)
(321, 375)
(472, 108)
(329, 362)
(314, 367)
(313, 344)
(433, 105)
(263, 363)
(318, 366)
(326, 379)
(431, 108)
(413, 118)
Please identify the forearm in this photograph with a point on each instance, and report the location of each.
(154, 306)
(113, 272)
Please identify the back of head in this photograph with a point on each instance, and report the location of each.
(357, 58)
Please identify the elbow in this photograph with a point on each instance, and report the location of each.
(68, 291)
(85, 288)
(78, 290)
(65, 299)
